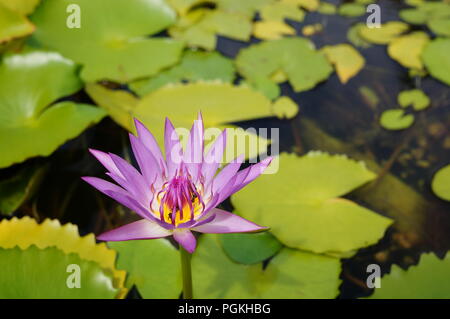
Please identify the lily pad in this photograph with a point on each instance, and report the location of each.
(413, 16)
(440, 26)
(437, 60)
(430, 279)
(291, 274)
(152, 265)
(298, 210)
(441, 183)
(279, 11)
(272, 30)
(407, 49)
(250, 248)
(296, 57)
(17, 189)
(112, 45)
(311, 29)
(29, 127)
(348, 61)
(327, 8)
(385, 34)
(354, 37)
(310, 5)
(194, 66)
(352, 10)
(13, 24)
(43, 273)
(24, 7)
(396, 119)
(285, 108)
(417, 98)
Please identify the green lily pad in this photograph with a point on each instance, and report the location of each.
(440, 26)
(430, 279)
(13, 24)
(441, 183)
(396, 119)
(285, 108)
(250, 248)
(194, 66)
(43, 273)
(279, 11)
(291, 274)
(437, 60)
(407, 49)
(296, 57)
(299, 210)
(29, 127)
(19, 188)
(346, 59)
(24, 7)
(385, 34)
(352, 10)
(416, 98)
(152, 265)
(110, 44)
(413, 16)
(354, 38)
(327, 8)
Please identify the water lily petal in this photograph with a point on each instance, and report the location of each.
(149, 141)
(226, 222)
(193, 156)
(104, 186)
(142, 229)
(226, 174)
(173, 148)
(148, 165)
(214, 157)
(249, 174)
(106, 161)
(186, 239)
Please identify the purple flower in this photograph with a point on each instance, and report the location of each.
(178, 194)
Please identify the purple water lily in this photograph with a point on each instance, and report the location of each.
(179, 194)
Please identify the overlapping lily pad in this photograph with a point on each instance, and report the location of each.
(396, 119)
(347, 60)
(290, 274)
(385, 34)
(352, 10)
(441, 183)
(437, 60)
(194, 66)
(30, 125)
(430, 279)
(13, 24)
(272, 30)
(296, 57)
(112, 41)
(152, 265)
(407, 49)
(299, 209)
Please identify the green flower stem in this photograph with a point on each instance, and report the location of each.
(187, 273)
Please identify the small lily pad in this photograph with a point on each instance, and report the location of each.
(417, 98)
(352, 10)
(279, 11)
(354, 37)
(437, 60)
(272, 30)
(346, 59)
(396, 119)
(250, 248)
(327, 8)
(407, 49)
(385, 34)
(441, 183)
(285, 108)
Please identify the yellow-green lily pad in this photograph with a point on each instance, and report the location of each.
(299, 209)
(13, 24)
(440, 26)
(441, 183)
(112, 40)
(437, 60)
(407, 49)
(352, 10)
(346, 59)
(417, 98)
(30, 125)
(396, 119)
(385, 34)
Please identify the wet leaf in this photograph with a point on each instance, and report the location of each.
(250, 248)
(13, 24)
(430, 279)
(29, 127)
(407, 49)
(440, 26)
(298, 210)
(441, 183)
(417, 98)
(396, 119)
(285, 108)
(194, 66)
(112, 45)
(152, 265)
(291, 274)
(385, 34)
(42, 274)
(352, 10)
(296, 57)
(347, 61)
(272, 30)
(437, 60)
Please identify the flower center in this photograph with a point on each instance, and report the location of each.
(179, 201)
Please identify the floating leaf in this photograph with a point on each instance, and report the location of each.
(17, 189)
(440, 26)
(26, 232)
(272, 30)
(250, 248)
(298, 210)
(413, 16)
(310, 5)
(296, 57)
(24, 7)
(407, 49)
(291, 274)
(152, 265)
(43, 274)
(327, 8)
(416, 98)
(437, 60)
(112, 45)
(311, 29)
(285, 108)
(29, 83)
(352, 10)
(354, 37)
(279, 11)
(396, 119)
(430, 279)
(194, 66)
(441, 183)
(13, 24)
(370, 96)
(385, 34)
(347, 60)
